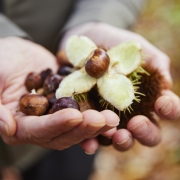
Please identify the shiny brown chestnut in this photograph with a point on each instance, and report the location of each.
(33, 81)
(33, 104)
(97, 63)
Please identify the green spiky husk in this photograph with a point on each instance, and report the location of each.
(148, 84)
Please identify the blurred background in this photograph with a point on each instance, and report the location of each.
(159, 23)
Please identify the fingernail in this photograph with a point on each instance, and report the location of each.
(125, 143)
(140, 128)
(167, 107)
(73, 122)
(93, 127)
(4, 128)
(89, 153)
(113, 125)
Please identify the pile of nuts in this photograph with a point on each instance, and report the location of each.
(42, 87)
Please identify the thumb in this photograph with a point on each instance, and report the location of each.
(7, 122)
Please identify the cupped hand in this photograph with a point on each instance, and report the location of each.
(167, 106)
(19, 57)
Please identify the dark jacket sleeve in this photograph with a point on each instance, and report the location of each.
(120, 13)
(8, 28)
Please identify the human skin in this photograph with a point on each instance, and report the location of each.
(69, 126)
(55, 131)
(167, 106)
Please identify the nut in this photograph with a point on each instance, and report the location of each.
(65, 70)
(64, 102)
(44, 74)
(97, 63)
(51, 83)
(33, 81)
(51, 99)
(33, 104)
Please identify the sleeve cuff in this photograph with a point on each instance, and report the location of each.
(8, 28)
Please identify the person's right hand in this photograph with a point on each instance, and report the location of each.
(19, 57)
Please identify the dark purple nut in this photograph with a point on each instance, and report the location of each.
(65, 70)
(33, 81)
(51, 83)
(51, 99)
(64, 102)
(44, 74)
(33, 104)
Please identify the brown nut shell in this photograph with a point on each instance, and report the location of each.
(33, 104)
(33, 81)
(97, 63)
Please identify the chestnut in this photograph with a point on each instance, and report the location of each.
(64, 102)
(33, 81)
(33, 104)
(65, 70)
(97, 63)
(44, 74)
(51, 99)
(51, 83)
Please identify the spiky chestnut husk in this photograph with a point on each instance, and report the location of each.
(151, 86)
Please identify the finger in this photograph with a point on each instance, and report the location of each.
(159, 60)
(168, 106)
(89, 145)
(39, 130)
(122, 140)
(7, 122)
(109, 133)
(92, 122)
(112, 121)
(144, 130)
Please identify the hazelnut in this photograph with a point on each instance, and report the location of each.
(51, 83)
(33, 104)
(64, 102)
(97, 63)
(33, 81)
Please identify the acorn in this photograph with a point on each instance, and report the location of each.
(97, 63)
(33, 104)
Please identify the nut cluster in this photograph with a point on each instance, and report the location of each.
(41, 98)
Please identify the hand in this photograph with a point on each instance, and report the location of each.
(167, 106)
(60, 130)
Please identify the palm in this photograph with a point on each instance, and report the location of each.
(18, 58)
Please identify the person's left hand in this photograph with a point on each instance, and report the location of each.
(167, 106)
